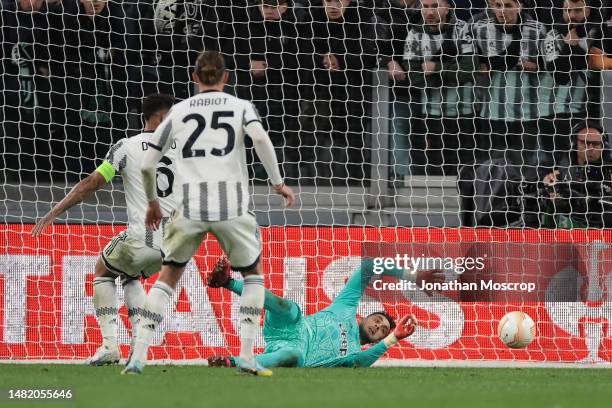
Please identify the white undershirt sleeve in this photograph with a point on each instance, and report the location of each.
(159, 143)
(265, 150)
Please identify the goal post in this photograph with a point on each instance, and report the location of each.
(48, 311)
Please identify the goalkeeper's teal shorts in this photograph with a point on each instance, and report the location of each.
(280, 334)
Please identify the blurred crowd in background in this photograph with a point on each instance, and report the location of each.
(469, 82)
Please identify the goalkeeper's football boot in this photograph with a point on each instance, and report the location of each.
(220, 361)
(220, 276)
(253, 369)
(105, 356)
(133, 367)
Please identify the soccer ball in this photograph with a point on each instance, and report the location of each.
(516, 330)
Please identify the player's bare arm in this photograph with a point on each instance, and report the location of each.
(79, 193)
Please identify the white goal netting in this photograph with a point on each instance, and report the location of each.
(396, 121)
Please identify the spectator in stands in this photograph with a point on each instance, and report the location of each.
(92, 43)
(466, 9)
(165, 37)
(89, 80)
(341, 50)
(565, 51)
(546, 12)
(27, 125)
(394, 19)
(440, 60)
(600, 54)
(27, 35)
(507, 44)
(267, 74)
(580, 190)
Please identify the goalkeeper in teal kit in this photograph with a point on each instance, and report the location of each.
(331, 337)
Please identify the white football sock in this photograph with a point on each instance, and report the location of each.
(151, 316)
(134, 296)
(105, 303)
(251, 304)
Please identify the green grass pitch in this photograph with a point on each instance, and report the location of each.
(191, 386)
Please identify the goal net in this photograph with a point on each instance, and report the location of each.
(441, 130)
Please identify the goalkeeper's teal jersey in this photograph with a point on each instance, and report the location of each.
(330, 338)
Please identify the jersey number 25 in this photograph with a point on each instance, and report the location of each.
(189, 151)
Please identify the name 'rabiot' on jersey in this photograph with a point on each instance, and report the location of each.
(208, 130)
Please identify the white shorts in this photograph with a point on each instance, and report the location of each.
(238, 237)
(128, 256)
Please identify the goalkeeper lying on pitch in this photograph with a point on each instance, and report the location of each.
(331, 337)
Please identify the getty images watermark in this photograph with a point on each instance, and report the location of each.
(411, 265)
(473, 271)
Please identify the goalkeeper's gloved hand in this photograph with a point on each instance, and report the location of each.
(220, 276)
(405, 327)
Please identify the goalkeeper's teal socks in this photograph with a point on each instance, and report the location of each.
(251, 304)
(284, 311)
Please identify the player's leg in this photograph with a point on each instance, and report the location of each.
(105, 305)
(239, 238)
(251, 305)
(134, 296)
(147, 261)
(182, 239)
(152, 314)
(126, 257)
(281, 311)
(284, 357)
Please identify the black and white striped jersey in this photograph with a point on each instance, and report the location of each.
(208, 131)
(126, 157)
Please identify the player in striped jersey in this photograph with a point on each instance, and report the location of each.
(566, 50)
(135, 252)
(441, 59)
(506, 41)
(209, 132)
(394, 19)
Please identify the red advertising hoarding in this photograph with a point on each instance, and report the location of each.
(46, 310)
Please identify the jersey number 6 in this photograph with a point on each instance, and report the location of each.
(169, 177)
